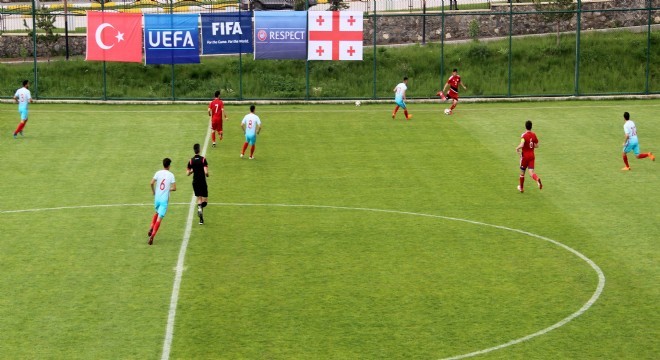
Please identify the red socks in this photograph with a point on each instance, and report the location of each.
(156, 226)
(396, 109)
(521, 180)
(405, 112)
(244, 147)
(535, 177)
(20, 127)
(252, 151)
(641, 156)
(625, 160)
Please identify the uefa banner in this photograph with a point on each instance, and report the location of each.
(171, 39)
(280, 35)
(227, 33)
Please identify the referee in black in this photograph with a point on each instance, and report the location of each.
(199, 168)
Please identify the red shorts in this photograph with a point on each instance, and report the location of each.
(452, 94)
(216, 125)
(526, 162)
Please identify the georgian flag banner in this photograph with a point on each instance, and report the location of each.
(114, 37)
(335, 35)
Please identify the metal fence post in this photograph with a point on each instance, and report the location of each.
(34, 49)
(577, 48)
(508, 91)
(648, 50)
(375, 17)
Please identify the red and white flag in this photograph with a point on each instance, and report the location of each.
(334, 35)
(114, 36)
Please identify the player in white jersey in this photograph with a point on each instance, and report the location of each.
(400, 98)
(161, 184)
(631, 143)
(22, 97)
(251, 126)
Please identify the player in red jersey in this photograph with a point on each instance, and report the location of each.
(452, 83)
(216, 113)
(528, 142)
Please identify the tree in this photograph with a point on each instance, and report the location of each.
(337, 5)
(556, 11)
(45, 21)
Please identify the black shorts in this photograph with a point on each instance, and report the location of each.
(201, 189)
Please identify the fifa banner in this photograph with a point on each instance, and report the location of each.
(171, 39)
(280, 35)
(335, 35)
(114, 37)
(227, 33)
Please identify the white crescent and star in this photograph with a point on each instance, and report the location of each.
(99, 40)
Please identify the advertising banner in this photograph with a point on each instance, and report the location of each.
(280, 35)
(171, 39)
(227, 33)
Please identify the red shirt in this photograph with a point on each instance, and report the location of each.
(530, 140)
(216, 107)
(453, 82)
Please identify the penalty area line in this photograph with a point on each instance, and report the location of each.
(176, 287)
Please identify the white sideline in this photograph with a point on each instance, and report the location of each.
(174, 299)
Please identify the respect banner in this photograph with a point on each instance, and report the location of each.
(280, 35)
(171, 39)
(227, 33)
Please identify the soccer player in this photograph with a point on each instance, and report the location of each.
(164, 183)
(22, 97)
(452, 83)
(528, 142)
(216, 112)
(199, 168)
(400, 98)
(251, 126)
(630, 142)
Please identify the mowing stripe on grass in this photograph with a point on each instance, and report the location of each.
(169, 331)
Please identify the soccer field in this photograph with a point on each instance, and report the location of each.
(349, 236)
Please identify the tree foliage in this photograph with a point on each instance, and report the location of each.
(336, 5)
(555, 12)
(45, 21)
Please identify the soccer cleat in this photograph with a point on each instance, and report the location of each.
(627, 168)
(14, 136)
(520, 189)
(151, 240)
(393, 116)
(251, 157)
(652, 156)
(242, 156)
(213, 145)
(201, 220)
(409, 116)
(538, 182)
(442, 95)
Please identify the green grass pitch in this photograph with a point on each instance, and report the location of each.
(349, 236)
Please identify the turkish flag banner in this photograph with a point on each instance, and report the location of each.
(114, 36)
(334, 35)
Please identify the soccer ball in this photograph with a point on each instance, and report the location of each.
(447, 112)
(358, 103)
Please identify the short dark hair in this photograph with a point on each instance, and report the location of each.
(167, 162)
(626, 115)
(528, 124)
(455, 70)
(196, 148)
(25, 82)
(217, 93)
(252, 107)
(405, 78)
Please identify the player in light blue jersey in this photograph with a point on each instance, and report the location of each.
(22, 97)
(161, 184)
(400, 98)
(631, 143)
(251, 126)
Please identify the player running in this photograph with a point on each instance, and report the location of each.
(251, 126)
(528, 142)
(452, 83)
(22, 97)
(216, 112)
(400, 98)
(631, 143)
(199, 168)
(165, 182)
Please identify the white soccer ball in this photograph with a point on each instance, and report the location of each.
(358, 103)
(447, 112)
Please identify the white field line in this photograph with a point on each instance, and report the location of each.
(179, 269)
(174, 299)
